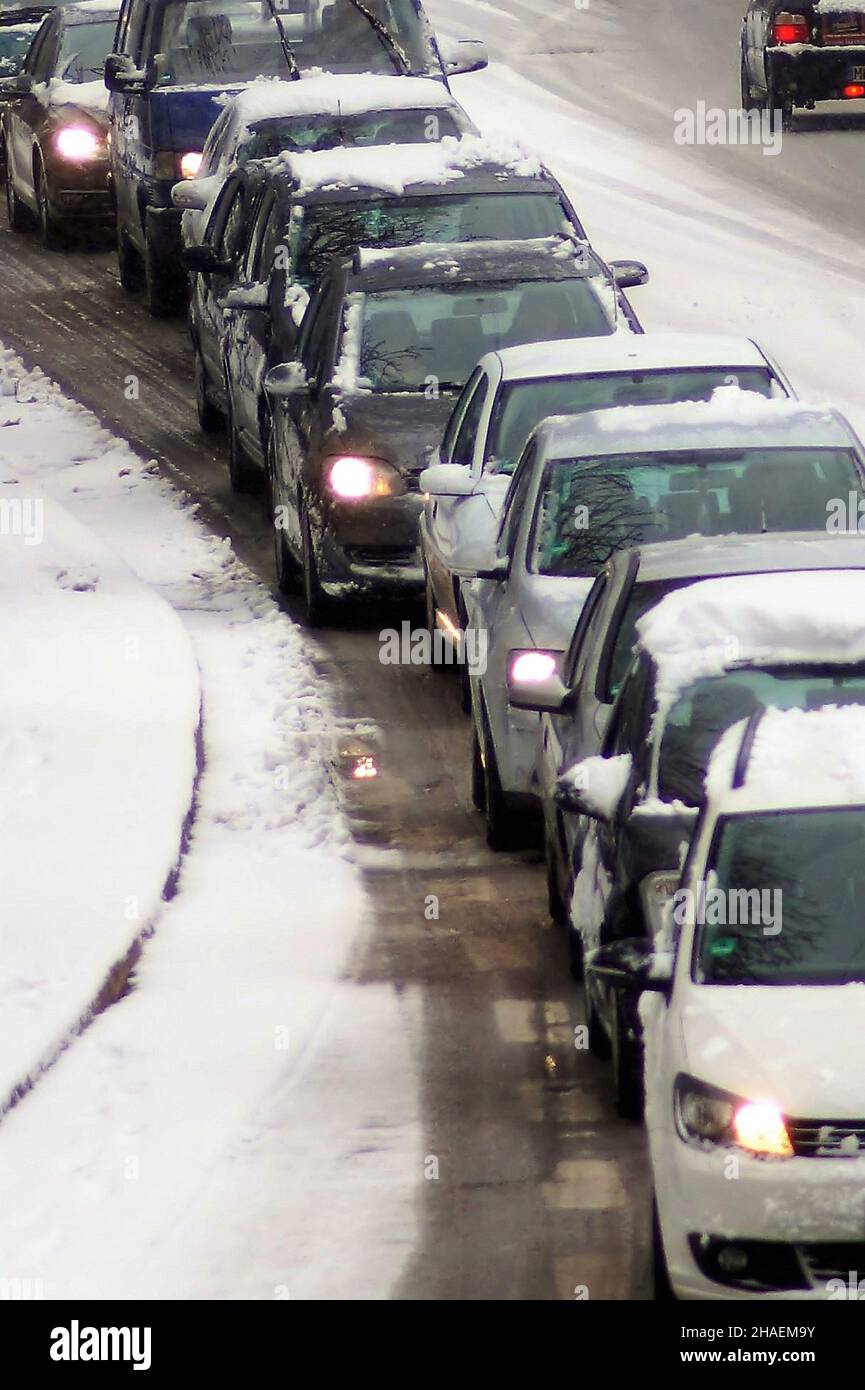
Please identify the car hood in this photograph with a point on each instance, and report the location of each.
(69, 101)
(402, 429)
(550, 609)
(801, 1046)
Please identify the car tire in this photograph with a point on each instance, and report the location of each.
(18, 215)
(50, 230)
(555, 902)
(662, 1287)
(210, 419)
(242, 473)
(287, 569)
(478, 788)
(748, 102)
(317, 604)
(164, 289)
(130, 267)
(627, 1066)
(502, 825)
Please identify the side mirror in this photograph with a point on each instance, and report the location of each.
(122, 76)
(247, 297)
(192, 195)
(632, 966)
(447, 480)
(595, 787)
(288, 379)
(549, 696)
(203, 260)
(463, 55)
(628, 274)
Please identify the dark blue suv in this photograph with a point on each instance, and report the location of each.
(176, 61)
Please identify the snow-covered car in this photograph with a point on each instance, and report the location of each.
(175, 62)
(269, 118)
(18, 27)
(388, 342)
(752, 1000)
(276, 226)
(708, 655)
(54, 124)
(611, 480)
(511, 392)
(796, 54)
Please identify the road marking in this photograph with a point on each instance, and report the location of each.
(586, 1184)
(602, 1276)
(514, 1020)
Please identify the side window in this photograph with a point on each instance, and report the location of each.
(141, 34)
(464, 447)
(456, 419)
(36, 49)
(44, 59)
(231, 236)
(213, 232)
(515, 501)
(121, 34)
(626, 733)
(586, 627)
(254, 246)
(266, 250)
(312, 338)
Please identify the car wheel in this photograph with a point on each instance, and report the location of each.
(130, 266)
(663, 1289)
(748, 102)
(50, 233)
(17, 213)
(555, 902)
(242, 473)
(502, 825)
(317, 605)
(165, 289)
(478, 787)
(287, 570)
(627, 1065)
(211, 420)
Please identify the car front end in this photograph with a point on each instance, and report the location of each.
(75, 153)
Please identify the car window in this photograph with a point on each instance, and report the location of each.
(316, 337)
(40, 60)
(83, 51)
(230, 238)
(464, 446)
(268, 240)
(250, 264)
(587, 614)
(621, 634)
(631, 719)
(516, 500)
(144, 40)
(456, 418)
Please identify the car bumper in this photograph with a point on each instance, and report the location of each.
(86, 205)
(801, 1221)
(814, 74)
(372, 548)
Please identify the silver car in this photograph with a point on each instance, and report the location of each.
(608, 481)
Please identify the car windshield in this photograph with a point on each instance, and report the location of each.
(711, 705)
(335, 229)
(213, 41)
(521, 405)
(15, 41)
(297, 134)
(413, 337)
(83, 51)
(795, 883)
(589, 508)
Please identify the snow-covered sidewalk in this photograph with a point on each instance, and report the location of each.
(244, 1122)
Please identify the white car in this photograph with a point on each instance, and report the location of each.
(512, 391)
(266, 119)
(752, 1006)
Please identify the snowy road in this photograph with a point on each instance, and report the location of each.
(540, 1188)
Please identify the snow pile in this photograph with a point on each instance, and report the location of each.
(346, 376)
(710, 627)
(601, 782)
(345, 95)
(727, 406)
(392, 168)
(90, 96)
(798, 758)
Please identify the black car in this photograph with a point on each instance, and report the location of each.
(388, 342)
(270, 243)
(54, 125)
(799, 54)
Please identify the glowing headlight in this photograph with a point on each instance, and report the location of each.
(709, 1116)
(533, 668)
(77, 142)
(353, 479)
(190, 165)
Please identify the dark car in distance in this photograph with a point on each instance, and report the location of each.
(797, 54)
(388, 342)
(54, 124)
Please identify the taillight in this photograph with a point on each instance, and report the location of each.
(791, 28)
(854, 89)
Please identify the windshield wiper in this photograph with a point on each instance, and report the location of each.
(293, 69)
(395, 52)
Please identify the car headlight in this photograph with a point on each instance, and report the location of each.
(190, 164)
(706, 1115)
(355, 479)
(657, 890)
(168, 164)
(78, 142)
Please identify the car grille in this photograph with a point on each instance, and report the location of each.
(837, 30)
(383, 556)
(827, 1138)
(836, 1261)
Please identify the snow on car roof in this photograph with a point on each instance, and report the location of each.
(716, 625)
(379, 267)
(799, 759)
(350, 95)
(732, 419)
(90, 11)
(647, 351)
(392, 168)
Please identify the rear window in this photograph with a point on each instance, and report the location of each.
(521, 405)
(335, 229)
(591, 507)
(298, 134)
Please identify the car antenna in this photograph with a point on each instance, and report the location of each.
(395, 50)
(291, 60)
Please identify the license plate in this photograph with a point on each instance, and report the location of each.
(843, 29)
(858, 75)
